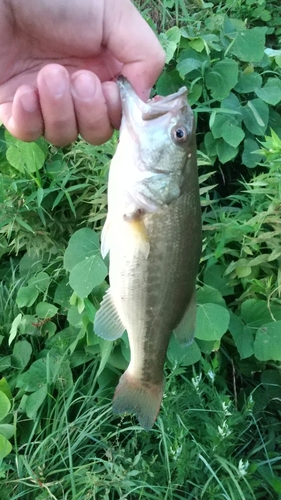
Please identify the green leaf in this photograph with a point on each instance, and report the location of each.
(225, 151)
(271, 381)
(255, 116)
(219, 121)
(232, 134)
(116, 359)
(66, 340)
(5, 388)
(45, 310)
(256, 313)
(249, 45)
(226, 127)
(25, 156)
(271, 92)
(40, 196)
(174, 34)
(210, 144)
(168, 83)
(7, 430)
(49, 329)
(214, 276)
(242, 268)
(190, 60)
(184, 356)
(209, 295)
(221, 78)
(87, 275)
(231, 102)
(212, 321)
(266, 15)
(83, 244)
(106, 347)
(197, 44)
(41, 372)
(63, 293)
(21, 354)
(242, 336)
(267, 343)
(194, 93)
(5, 447)
(64, 380)
(40, 281)
(26, 296)
(14, 328)
(90, 310)
(249, 157)
(248, 82)
(170, 43)
(207, 347)
(74, 318)
(34, 401)
(30, 263)
(5, 405)
(5, 363)
(24, 224)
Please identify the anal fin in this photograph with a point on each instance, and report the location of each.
(185, 330)
(107, 323)
(105, 238)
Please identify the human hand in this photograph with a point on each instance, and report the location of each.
(58, 62)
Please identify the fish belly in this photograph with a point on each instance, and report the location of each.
(151, 293)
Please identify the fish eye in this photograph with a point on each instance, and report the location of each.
(179, 133)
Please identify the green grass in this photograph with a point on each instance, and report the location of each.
(201, 447)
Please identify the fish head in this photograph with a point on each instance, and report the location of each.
(161, 129)
(157, 149)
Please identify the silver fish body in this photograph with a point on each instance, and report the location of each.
(153, 234)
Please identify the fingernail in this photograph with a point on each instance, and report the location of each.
(83, 86)
(29, 101)
(56, 82)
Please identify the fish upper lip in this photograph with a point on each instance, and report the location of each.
(150, 109)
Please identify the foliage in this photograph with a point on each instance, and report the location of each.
(218, 433)
(197, 449)
(234, 83)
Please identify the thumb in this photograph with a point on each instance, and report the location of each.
(130, 39)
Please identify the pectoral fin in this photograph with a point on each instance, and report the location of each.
(185, 330)
(108, 324)
(105, 238)
(140, 236)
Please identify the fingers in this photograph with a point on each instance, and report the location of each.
(22, 117)
(91, 107)
(63, 105)
(112, 97)
(56, 105)
(131, 41)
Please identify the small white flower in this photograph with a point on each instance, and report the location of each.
(196, 381)
(211, 375)
(243, 467)
(224, 430)
(225, 407)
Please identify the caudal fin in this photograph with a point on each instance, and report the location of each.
(132, 396)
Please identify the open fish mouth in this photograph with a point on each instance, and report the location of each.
(159, 106)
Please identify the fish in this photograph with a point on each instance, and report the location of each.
(153, 236)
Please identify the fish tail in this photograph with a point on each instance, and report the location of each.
(133, 396)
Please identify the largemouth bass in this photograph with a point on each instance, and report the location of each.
(153, 234)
